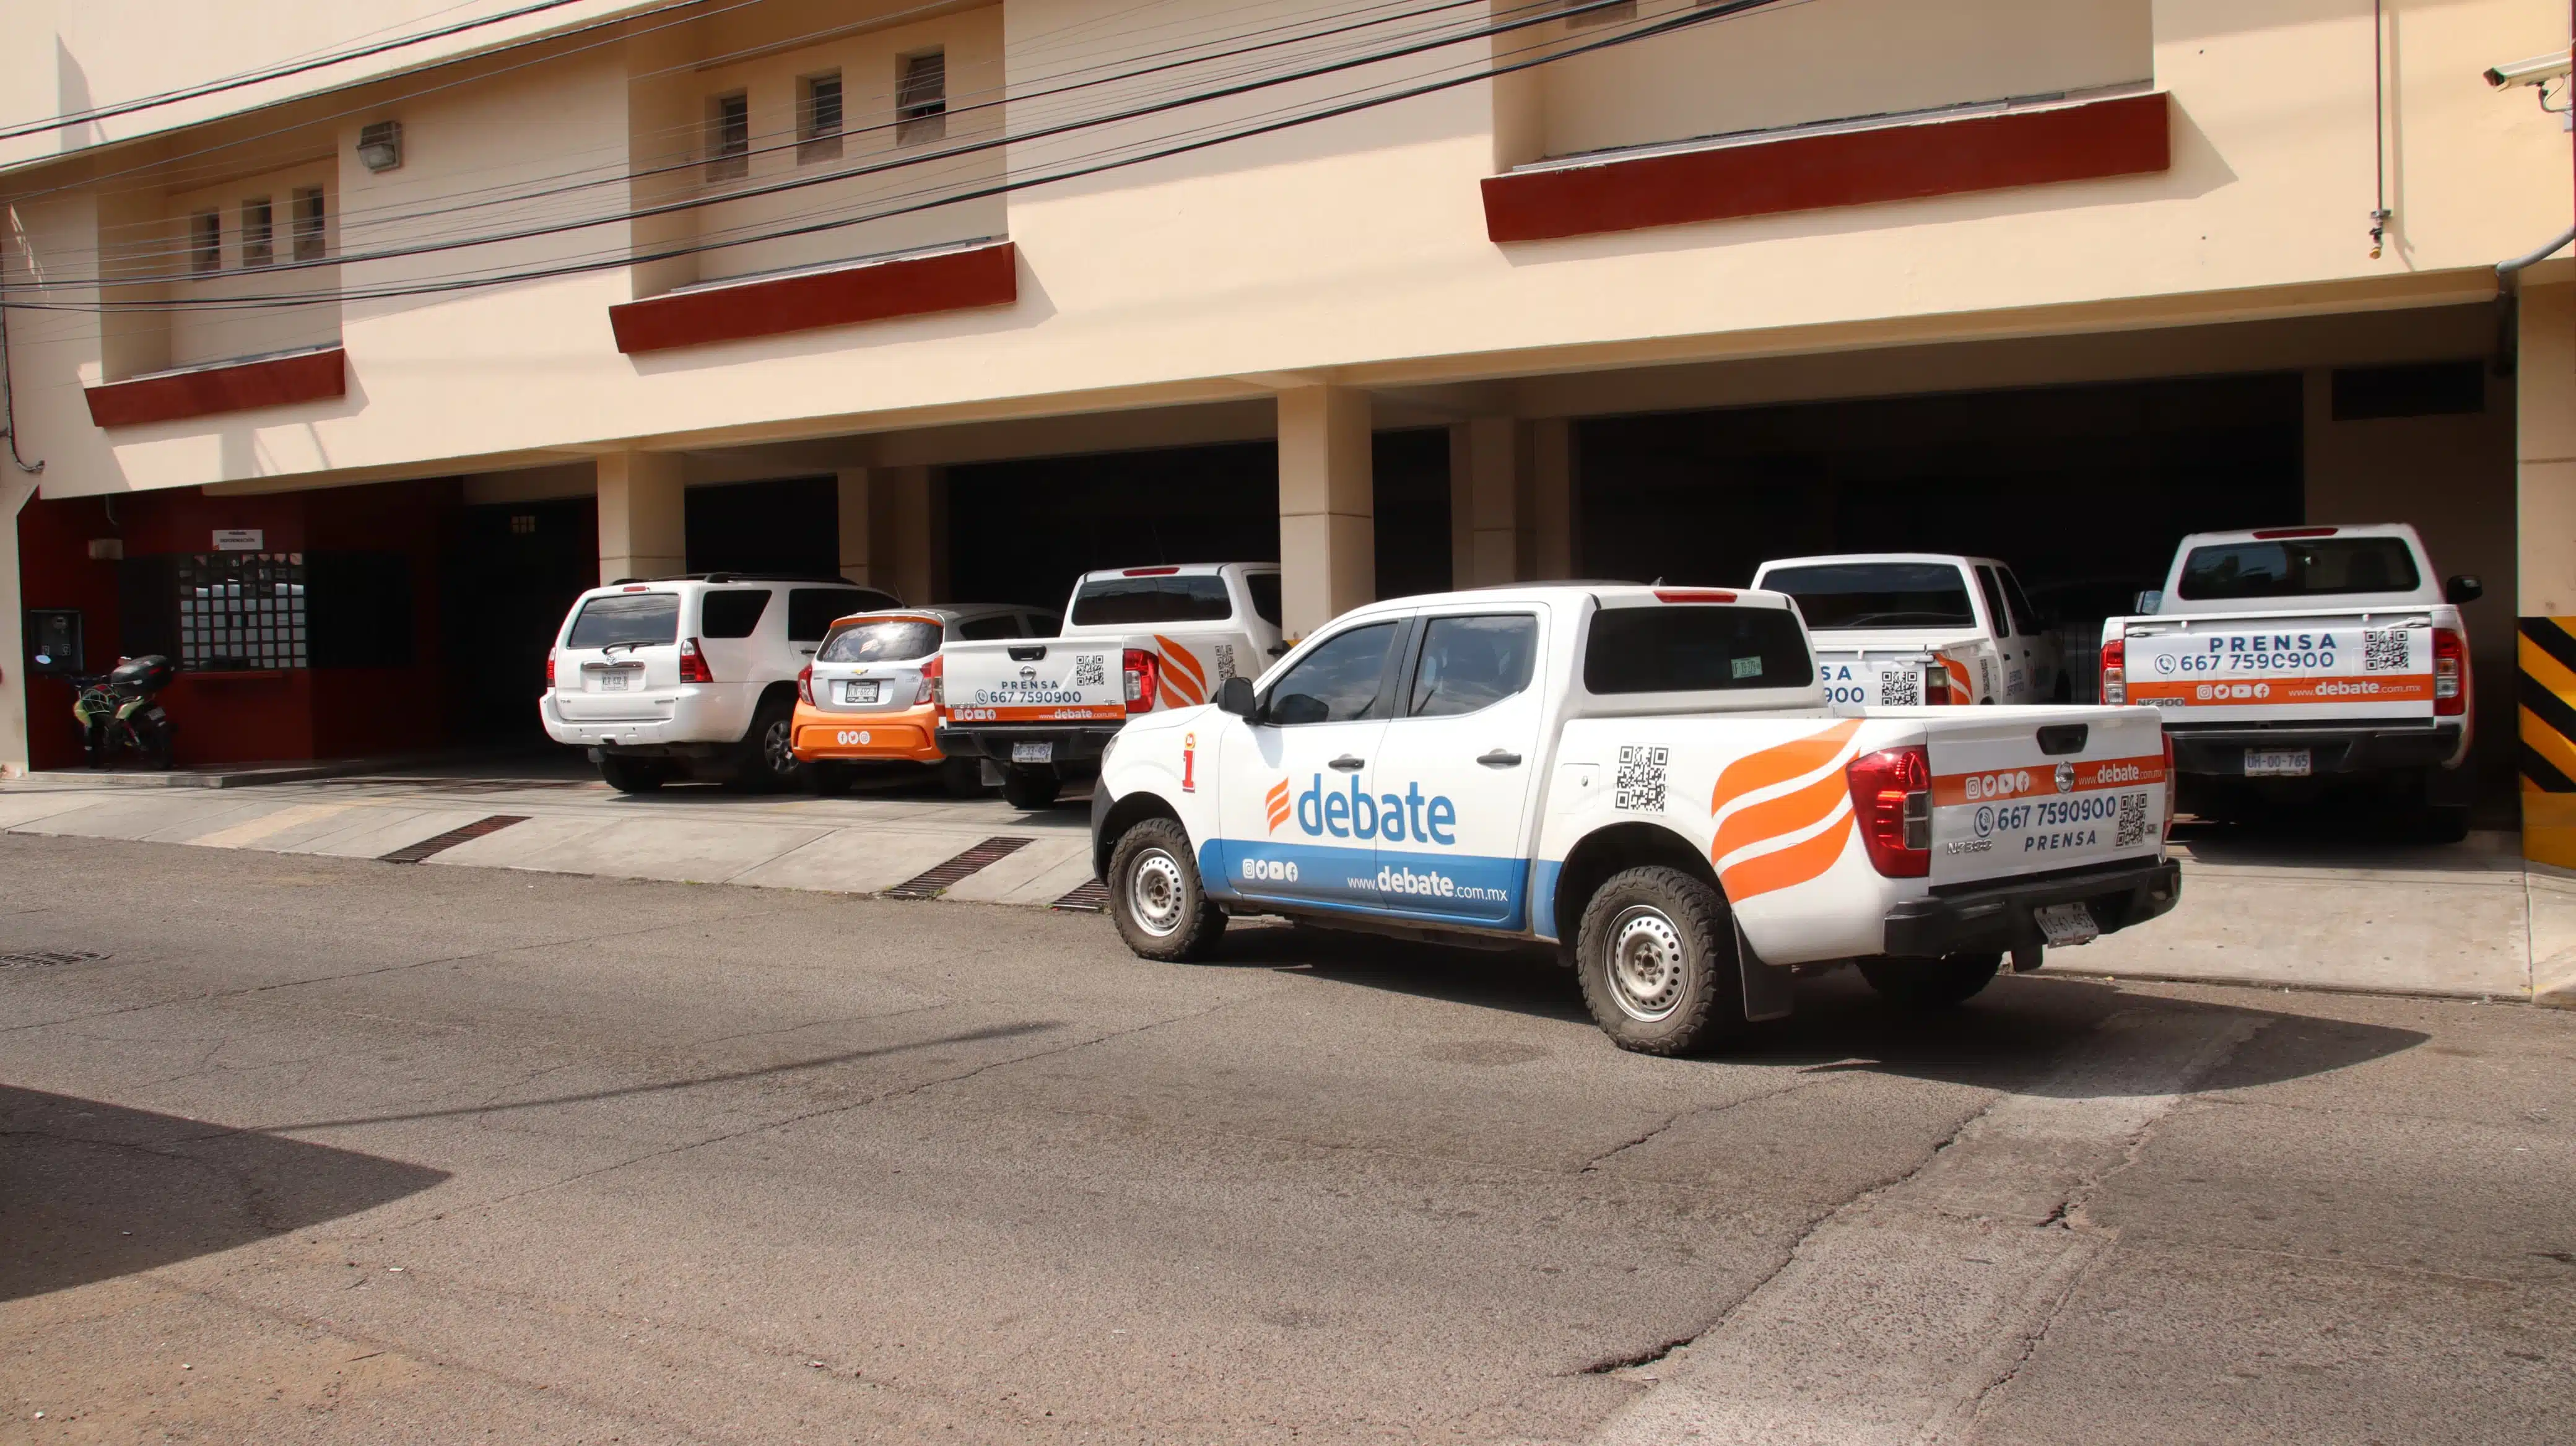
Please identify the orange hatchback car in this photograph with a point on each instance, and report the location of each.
(866, 697)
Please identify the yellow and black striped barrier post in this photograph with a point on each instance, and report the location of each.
(2547, 694)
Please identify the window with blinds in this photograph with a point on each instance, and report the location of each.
(921, 98)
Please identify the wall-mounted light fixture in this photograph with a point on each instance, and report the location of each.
(380, 145)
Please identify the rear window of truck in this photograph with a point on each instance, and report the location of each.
(1695, 649)
(1877, 594)
(892, 641)
(2301, 567)
(1120, 601)
(640, 618)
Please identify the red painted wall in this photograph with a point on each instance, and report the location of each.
(296, 713)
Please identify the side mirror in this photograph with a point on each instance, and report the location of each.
(1234, 696)
(2465, 588)
(2150, 600)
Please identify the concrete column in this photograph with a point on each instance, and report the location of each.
(1327, 506)
(907, 534)
(1496, 501)
(1551, 490)
(2545, 554)
(14, 492)
(857, 562)
(643, 518)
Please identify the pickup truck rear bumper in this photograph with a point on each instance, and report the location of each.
(1980, 918)
(2356, 748)
(1074, 742)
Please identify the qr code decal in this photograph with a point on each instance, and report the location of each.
(1899, 688)
(2132, 827)
(1640, 786)
(1090, 670)
(2383, 650)
(1224, 661)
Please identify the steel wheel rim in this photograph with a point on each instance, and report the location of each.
(1648, 964)
(1156, 893)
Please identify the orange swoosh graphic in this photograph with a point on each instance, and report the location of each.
(1786, 814)
(1780, 763)
(1783, 868)
(1182, 660)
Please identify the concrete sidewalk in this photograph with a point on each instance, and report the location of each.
(2469, 920)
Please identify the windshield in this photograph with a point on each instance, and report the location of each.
(890, 641)
(1167, 599)
(1695, 650)
(2305, 567)
(641, 619)
(1877, 594)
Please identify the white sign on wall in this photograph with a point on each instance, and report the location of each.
(240, 539)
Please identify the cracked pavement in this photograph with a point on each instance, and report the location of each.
(329, 1150)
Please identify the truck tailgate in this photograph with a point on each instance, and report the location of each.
(1034, 680)
(2289, 668)
(2033, 790)
(1857, 678)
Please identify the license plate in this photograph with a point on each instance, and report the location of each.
(1033, 753)
(2065, 924)
(2276, 763)
(613, 682)
(860, 692)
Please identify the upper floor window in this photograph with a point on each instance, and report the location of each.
(818, 118)
(921, 98)
(1594, 12)
(309, 219)
(206, 241)
(259, 235)
(729, 137)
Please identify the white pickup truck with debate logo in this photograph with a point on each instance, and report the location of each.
(1895, 628)
(1647, 777)
(1135, 639)
(2286, 657)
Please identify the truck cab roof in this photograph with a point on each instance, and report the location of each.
(2280, 569)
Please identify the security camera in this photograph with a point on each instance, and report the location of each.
(2538, 70)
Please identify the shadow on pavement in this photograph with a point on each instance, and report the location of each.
(2009, 1037)
(92, 1191)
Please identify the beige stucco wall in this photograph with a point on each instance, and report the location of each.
(1354, 251)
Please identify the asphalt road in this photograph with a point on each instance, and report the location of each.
(299, 1149)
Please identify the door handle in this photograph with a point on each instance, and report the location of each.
(1500, 759)
(1347, 763)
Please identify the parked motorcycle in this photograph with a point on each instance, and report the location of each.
(116, 712)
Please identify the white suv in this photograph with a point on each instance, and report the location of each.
(690, 677)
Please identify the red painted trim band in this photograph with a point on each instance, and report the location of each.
(903, 286)
(209, 391)
(2125, 136)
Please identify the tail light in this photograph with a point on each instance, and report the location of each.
(2173, 785)
(1936, 685)
(1892, 798)
(805, 685)
(2115, 671)
(693, 663)
(2450, 674)
(1144, 671)
(934, 684)
(550, 670)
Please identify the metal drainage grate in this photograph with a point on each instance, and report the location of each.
(1092, 897)
(928, 885)
(39, 958)
(440, 843)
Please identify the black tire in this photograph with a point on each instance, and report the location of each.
(1030, 789)
(1155, 896)
(156, 747)
(1925, 984)
(1656, 956)
(962, 777)
(769, 749)
(831, 780)
(632, 775)
(2442, 823)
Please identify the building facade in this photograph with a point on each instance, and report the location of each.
(963, 298)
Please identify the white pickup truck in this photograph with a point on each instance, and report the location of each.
(1648, 778)
(1893, 628)
(1039, 710)
(2288, 657)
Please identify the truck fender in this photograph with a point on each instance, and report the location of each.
(1123, 813)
